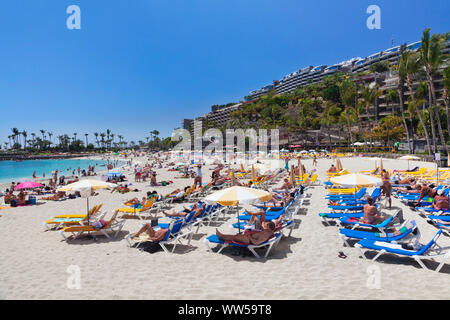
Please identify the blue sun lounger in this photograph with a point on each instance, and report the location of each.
(430, 251)
(214, 240)
(173, 236)
(407, 229)
(346, 208)
(330, 216)
(356, 196)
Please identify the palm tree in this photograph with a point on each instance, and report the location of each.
(42, 132)
(96, 138)
(24, 134)
(401, 70)
(120, 139)
(431, 59)
(15, 135)
(369, 95)
(412, 66)
(102, 140)
(347, 91)
(391, 97)
(108, 132)
(50, 134)
(86, 135)
(445, 95)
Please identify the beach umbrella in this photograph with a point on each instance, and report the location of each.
(238, 196)
(408, 157)
(85, 187)
(28, 185)
(356, 180)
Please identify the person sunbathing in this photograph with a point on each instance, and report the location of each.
(255, 238)
(444, 224)
(218, 181)
(135, 202)
(409, 182)
(412, 170)
(59, 195)
(9, 196)
(426, 191)
(287, 185)
(371, 214)
(332, 169)
(440, 201)
(154, 235)
(198, 210)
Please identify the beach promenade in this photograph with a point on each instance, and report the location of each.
(37, 264)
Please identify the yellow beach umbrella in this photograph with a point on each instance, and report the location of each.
(356, 180)
(237, 195)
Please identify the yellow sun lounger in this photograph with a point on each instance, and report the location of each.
(93, 211)
(113, 225)
(146, 207)
(57, 223)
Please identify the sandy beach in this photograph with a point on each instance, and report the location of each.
(37, 264)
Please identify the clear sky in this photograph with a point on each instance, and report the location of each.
(140, 65)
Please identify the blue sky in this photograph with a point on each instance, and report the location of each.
(141, 65)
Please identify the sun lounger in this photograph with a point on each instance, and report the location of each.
(113, 225)
(214, 240)
(356, 223)
(57, 223)
(173, 236)
(430, 251)
(331, 216)
(141, 213)
(403, 234)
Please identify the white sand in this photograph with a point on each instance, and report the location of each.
(34, 262)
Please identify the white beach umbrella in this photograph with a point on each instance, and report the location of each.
(85, 188)
(357, 180)
(408, 157)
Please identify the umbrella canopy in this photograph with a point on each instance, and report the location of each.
(408, 157)
(238, 196)
(87, 184)
(28, 185)
(357, 180)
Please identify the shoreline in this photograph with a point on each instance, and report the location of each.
(24, 157)
(102, 170)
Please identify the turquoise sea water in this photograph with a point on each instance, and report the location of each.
(23, 171)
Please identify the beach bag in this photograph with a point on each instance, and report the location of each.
(13, 203)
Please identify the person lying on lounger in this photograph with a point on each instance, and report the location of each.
(287, 185)
(154, 235)
(254, 238)
(444, 224)
(440, 201)
(196, 207)
(59, 195)
(409, 183)
(332, 169)
(135, 202)
(279, 202)
(426, 191)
